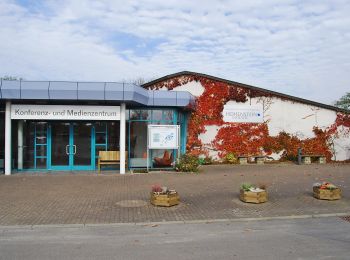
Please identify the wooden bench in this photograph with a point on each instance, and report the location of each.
(109, 158)
(306, 158)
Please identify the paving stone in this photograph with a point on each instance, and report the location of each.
(85, 198)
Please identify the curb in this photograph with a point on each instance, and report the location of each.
(154, 224)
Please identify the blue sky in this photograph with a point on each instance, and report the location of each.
(301, 48)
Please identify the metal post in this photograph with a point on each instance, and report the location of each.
(122, 137)
(8, 138)
(20, 145)
(299, 155)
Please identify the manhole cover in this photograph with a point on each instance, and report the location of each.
(346, 218)
(131, 203)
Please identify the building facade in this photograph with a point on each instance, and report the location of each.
(286, 123)
(57, 126)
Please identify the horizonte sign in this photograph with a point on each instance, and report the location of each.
(63, 112)
(243, 114)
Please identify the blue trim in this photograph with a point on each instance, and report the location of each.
(34, 145)
(175, 115)
(93, 147)
(48, 148)
(71, 143)
(185, 134)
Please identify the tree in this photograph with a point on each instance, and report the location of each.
(6, 77)
(344, 101)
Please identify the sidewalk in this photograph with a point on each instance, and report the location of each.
(31, 199)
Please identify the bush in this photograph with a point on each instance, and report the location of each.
(187, 163)
(205, 161)
(230, 158)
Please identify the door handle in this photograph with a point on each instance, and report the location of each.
(67, 147)
(75, 149)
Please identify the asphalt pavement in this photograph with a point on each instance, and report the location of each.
(300, 238)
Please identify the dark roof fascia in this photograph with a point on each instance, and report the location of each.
(278, 94)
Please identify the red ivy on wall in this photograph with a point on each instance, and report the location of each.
(239, 138)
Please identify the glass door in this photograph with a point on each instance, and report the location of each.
(71, 145)
(60, 145)
(82, 144)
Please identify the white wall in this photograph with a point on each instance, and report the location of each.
(194, 87)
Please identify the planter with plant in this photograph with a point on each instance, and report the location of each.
(162, 196)
(326, 191)
(253, 194)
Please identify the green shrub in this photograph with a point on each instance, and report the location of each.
(230, 158)
(187, 163)
(205, 161)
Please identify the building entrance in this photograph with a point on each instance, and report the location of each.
(63, 145)
(71, 145)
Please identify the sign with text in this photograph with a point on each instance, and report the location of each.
(243, 114)
(163, 136)
(63, 112)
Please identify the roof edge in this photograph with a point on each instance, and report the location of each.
(278, 94)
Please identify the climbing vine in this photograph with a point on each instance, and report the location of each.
(245, 138)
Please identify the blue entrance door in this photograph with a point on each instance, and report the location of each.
(71, 146)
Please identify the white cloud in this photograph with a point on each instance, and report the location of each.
(295, 47)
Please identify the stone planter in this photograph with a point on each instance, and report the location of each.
(165, 200)
(253, 197)
(326, 194)
(243, 159)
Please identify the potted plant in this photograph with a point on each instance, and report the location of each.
(326, 191)
(253, 194)
(162, 196)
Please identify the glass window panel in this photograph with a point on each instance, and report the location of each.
(41, 138)
(100, 127)
(168, 115)
(82, 143)
(41, 127)
(145, 114)
(127, 114)
(138, 144)
(60, 134)
(28, 144)
(41, 150)
(113, 136)
(135, 114)
(2, 130)
(99, 148)
(41, 163)
(180, 118)
(157, 115)
(100, 138)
